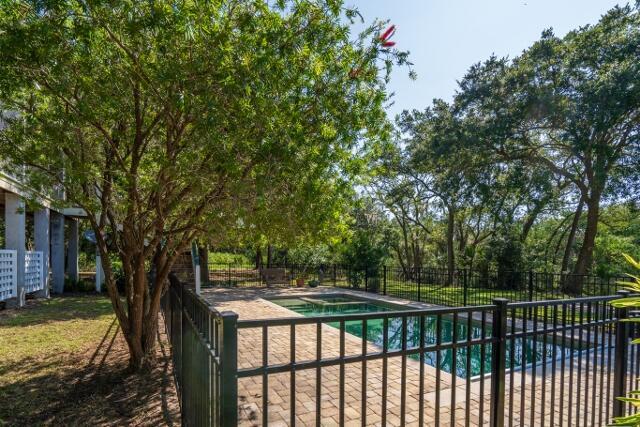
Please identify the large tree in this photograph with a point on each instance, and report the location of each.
(167, 121)
(570, 105)
(431, 137)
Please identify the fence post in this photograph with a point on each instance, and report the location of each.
(335, 280)
(620, 361)
(498, 361)
(466, 286)
(229, 370)
(366, 279)
(384, 280)
(530, 285)
(418, 271)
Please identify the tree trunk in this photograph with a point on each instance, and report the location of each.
(138, 319)
(269, 256)
(142, 338)
(462, 237)
(572, 237)
(451, 261)
(203, 252)
(418, 255)
(585, 256)
(258, 258)
(408, 262)
(471, 259)
(136, 312)
(403, 265)
(531, 219)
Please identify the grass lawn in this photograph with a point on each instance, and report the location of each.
(63, 362)
(448, 295)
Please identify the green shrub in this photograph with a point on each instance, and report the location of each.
(228, 258)
(634, 286)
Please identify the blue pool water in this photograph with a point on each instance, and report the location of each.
(317, 306)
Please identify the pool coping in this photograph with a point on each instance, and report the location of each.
(358, 298)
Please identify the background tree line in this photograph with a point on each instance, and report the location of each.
(534, 163)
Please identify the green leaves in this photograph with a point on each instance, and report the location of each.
(632, 286)
(172, 101)
(635, 264)
(634, 302)
(170, 121)
(566, 106)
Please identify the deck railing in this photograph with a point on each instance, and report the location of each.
(8, 274)
(34, 274)
(33, 278)
(557, 362)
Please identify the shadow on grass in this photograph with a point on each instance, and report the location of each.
(94, 388)
(56, 309)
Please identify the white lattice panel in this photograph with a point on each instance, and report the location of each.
(8, 274)
(33, 277)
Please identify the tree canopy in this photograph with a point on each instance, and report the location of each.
(166, 122)
(570, 105)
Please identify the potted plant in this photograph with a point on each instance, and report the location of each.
(300, 281)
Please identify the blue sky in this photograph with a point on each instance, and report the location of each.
(445, 37)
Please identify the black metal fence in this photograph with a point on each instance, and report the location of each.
(558, 362)
(472, 287)
(204, 351)
(461, 287)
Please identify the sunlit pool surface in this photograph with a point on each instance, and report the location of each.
(337, 305)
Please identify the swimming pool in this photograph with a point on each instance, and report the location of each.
(343, 304)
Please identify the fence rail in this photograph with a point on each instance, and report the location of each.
(554, 362)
